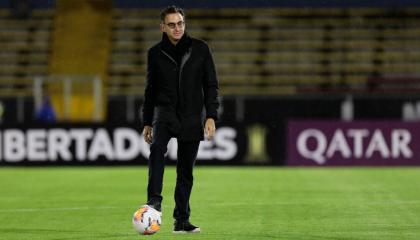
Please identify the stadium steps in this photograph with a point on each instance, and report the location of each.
(86, 25)
(279, 48)
(25, 50)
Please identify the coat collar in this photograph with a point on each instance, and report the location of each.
(177, 52)
(183, 44)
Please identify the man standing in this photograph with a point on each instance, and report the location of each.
(181, 81)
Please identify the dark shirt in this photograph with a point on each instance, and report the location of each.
(46, 113)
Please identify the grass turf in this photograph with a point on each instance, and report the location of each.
(227, 203)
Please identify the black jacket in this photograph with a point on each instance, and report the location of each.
(179, 89)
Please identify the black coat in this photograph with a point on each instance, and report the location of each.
(181, 93)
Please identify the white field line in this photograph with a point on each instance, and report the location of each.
(85, 208)
(56, 209)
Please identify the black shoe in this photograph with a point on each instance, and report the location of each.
(185, 227)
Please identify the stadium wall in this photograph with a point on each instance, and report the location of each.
(309, 143)
(247, 135)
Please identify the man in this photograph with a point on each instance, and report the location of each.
(181, 81)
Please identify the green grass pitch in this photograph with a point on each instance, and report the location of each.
(227, 203)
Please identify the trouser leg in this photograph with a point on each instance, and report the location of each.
(187, 154)
(158, 148)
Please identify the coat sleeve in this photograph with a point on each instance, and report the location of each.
(149, 92)
(211, 87)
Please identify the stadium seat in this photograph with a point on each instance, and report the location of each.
(275, 49)
(25, 47)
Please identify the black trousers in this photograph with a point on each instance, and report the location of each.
(187, 154)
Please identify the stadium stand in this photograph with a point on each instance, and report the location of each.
(278, 51)
(25, 49)
(282, 51)
(268, 50)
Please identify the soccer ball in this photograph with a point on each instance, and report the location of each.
(146, 220)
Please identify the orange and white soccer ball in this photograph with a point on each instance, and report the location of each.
(146, 220)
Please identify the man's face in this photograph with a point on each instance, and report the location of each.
(173, 26)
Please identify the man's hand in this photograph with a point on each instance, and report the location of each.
(209, 129)
(147, 134)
